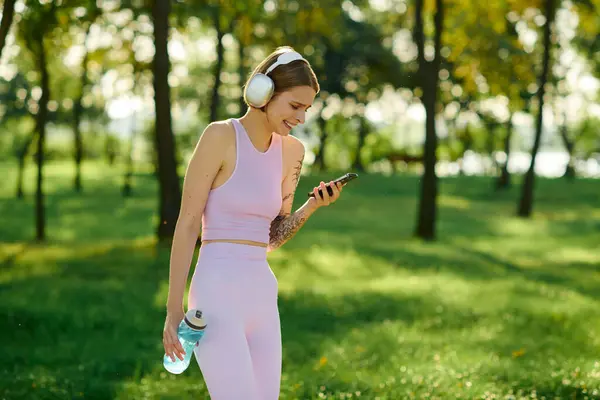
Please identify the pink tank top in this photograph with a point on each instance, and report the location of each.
(244, 206)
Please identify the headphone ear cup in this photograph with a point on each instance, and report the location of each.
(259, 90)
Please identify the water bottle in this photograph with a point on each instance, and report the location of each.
(190, 330)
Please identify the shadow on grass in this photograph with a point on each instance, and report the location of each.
(468, 263)
(99, 213)
(315, 323)
(82, 325)
(369, 226)
(93, 323)
(578, 277)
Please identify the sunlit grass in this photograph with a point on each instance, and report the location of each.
(498, 307)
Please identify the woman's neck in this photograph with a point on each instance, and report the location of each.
(256, 124)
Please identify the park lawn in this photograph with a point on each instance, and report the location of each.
(498, 307)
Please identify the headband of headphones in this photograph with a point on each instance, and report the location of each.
(285, 58)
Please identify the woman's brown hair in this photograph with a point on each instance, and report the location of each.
(286, 76)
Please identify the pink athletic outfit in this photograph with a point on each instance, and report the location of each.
(233, 285)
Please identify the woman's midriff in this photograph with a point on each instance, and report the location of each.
(248, 242)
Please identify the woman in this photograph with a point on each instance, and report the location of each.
(240, 184)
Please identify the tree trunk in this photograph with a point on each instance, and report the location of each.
(362, 134)
(77, 113)
(526, 201)
(20, 192)
(491, 147)
(8, 13)
(490, 126)
(170, 194)
(319, 163)
(467, 143)
(503, 181)
(21, 157)
(127, 184)
(110, 149)
(570, 147)
(41, 130)
(428, 73)
(242, 74)
(214, 105)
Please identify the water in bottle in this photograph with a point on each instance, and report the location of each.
(191, 329)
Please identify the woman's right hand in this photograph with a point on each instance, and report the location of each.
(173, 347)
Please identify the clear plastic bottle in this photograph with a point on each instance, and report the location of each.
(191, 329)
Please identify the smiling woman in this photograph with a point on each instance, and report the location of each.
(240, 186)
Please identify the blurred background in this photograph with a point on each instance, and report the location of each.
(463, 263)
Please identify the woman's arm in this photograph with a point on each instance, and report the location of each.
(286, 224)
(205, 163)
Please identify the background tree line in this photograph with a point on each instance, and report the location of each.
(135, 82)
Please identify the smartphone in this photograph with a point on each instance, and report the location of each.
(342, 179)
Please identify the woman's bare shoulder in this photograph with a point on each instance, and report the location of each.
(293, 148)
(219, 133)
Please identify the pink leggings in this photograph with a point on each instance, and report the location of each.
(240, 352)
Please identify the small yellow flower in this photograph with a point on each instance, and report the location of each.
(518, 353)
(322, 362)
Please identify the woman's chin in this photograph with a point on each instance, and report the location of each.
(282, 130)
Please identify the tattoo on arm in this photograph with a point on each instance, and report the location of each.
(287, 197)
(297, 170)
(295, 177)
(284, 227)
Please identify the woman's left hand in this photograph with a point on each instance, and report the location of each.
(326, 200)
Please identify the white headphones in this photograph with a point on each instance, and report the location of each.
(260, 88)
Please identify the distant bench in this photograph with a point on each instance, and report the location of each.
(403, 157)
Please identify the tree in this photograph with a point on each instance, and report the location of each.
(7, 17)
(526, 201)
(36, 22)
(127, 181)
(218, 67)
(428, 80)
(587, 41)
(92, 13)
(587, 37)
(170, 193)
(486, 62)
(228, 17)
(17, 119)
(360, 68)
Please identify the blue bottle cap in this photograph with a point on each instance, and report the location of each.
(193, 318)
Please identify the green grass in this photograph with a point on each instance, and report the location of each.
(497, 308)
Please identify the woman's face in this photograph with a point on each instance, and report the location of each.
(288, 108)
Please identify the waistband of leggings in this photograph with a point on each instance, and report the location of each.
(234, 250)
